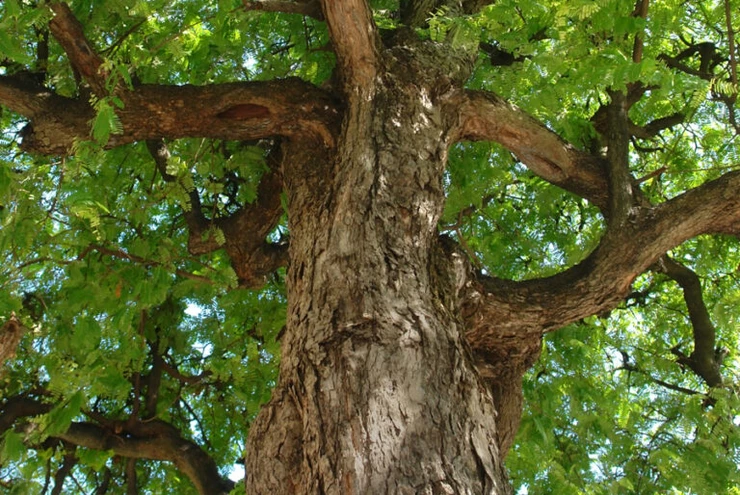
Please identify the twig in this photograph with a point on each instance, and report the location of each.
(641, 10)
(119, 253)
(731, 42)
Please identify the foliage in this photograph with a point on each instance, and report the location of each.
(95, 260)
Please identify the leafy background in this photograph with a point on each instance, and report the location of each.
(94, 256)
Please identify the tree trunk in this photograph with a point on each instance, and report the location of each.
(377, 391)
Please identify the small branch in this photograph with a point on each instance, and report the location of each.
(654, 127)
(641, 10)
(195, 418)
(185, 379)
(119, 253)
(731, 43)
(704, 359)
(654, 173)
(676, 388)
(42, 51)
(125, 35)
(310, 8)
(709, 58)
(197, 223)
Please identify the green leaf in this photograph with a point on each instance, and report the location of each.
(96, 459)
(14, 449)
(61, 416)
(106, 122)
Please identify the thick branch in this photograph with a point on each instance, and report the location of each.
(703, 360)
(162, 443)
(617, 158)
(641, 10)
(415, 13)
(505, 320)
(473, 6)
(153, 380)
(486, 116)
(310, 8)
(68, 31)
(68, 463)
(499, 309)
(252, 257)
(24, 95)
(236, 111)
(154, 439)
(18, 407)
(355, 39)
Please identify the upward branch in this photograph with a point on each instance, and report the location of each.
(617, 158)
(69, 33)
(485, 116)
(603, 279)
(355, 39)
(252, 257)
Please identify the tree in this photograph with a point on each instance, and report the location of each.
(190, 189)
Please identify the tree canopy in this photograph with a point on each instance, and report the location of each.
(591, 192)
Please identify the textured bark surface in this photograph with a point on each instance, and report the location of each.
(401, 365)
(378, 393)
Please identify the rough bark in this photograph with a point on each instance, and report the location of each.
(401, 366)
(240, 111)
(378, 393)
(11, 333)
